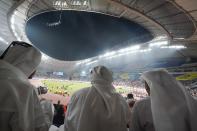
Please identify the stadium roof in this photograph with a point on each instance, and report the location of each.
(175, 19)
(77, 35)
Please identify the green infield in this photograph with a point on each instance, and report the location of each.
(69, 87)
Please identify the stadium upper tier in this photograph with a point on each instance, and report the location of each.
(175, 20)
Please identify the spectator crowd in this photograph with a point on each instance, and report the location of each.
(167, 107)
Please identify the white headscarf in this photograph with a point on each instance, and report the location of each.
(17, 95)
(24, 58)
(100, 108)
(173, 108)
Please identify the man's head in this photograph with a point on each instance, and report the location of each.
(130, 96)
(58, 102)
(101, 73)
(23, 56)
(147, 88)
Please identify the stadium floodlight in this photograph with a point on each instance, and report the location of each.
(92, 62)
(117, 55)
(109, 54)
(86, 61)
(85, 3)
(83, 73)
(174, 47)
(163, 37)
(3, 40)
(136, 47)
(145, 50)
(132, 48)
(78, 63)
(122, 50)
(164, 47)
(181, 38)
(83, 61)
(110, 57)
(100, 56)
(158, 43)
(59, 4)
(125, 51)
(177, 47)
(131, 52)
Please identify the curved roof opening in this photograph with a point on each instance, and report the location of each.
(76, 35)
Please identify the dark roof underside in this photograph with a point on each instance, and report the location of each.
(82, 35)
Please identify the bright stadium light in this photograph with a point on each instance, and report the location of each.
(177, 47)
(132, 48)
(83, 73)
(110, 57)
(181, 38)
(174, 47)
(83, 61)
(59, 4)
(86, 61)
(136, 47)
(78, 63)
(129, 50)
(164, 37)
(125, 51)
(108, 54)
(85, 3)
(92, 62)
(145, 50)
(158, 43)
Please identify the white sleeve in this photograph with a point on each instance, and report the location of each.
(69, 109)
(40, 122)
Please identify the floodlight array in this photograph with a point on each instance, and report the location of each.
(84, 61)
(158, 43)
(174, 47)
(59, 4)
(124, 51)
(83, 73)
(92, 62)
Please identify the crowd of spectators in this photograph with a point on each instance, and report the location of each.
(98, 108)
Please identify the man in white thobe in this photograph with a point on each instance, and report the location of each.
(173, 108)
(98, 108)
(20, 108)
(141, 114)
